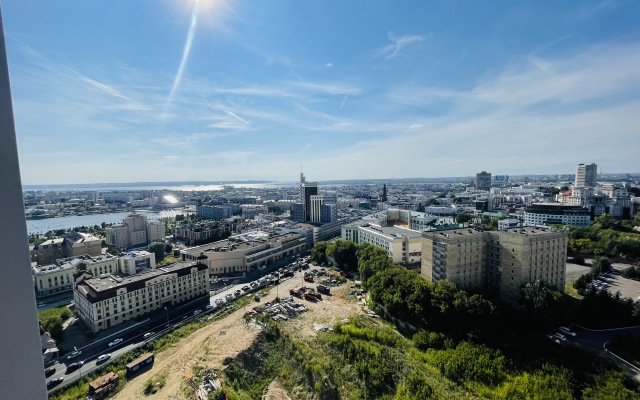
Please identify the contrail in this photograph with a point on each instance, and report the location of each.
(185, 52)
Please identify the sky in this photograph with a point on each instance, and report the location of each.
(222, 90)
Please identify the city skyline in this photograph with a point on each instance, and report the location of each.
(225, 91)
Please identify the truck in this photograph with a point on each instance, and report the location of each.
(140, 363)
(298, 292)
(323, 289)
(308, 278)
(313, 296)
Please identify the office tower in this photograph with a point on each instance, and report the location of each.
(483, 181)
(307, 189)
(586, 175)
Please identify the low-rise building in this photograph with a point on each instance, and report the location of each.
(106, 301)
(203, 231)
(102, 386)
(135, 261)
(556, 213)
(245, 252)
(403, 245)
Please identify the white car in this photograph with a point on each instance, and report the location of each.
(115, 342)
(197, 312)
(104, 357)
(567, 331)
(219, 302)
(147, 335)
(73, 354)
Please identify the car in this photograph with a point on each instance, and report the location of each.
(41, 304)
(73, 366)
(219, 302)
(228, 296)
(103, 357)
(54, 382)
(197, 312)
(559, 336)
(208, 307)
(238, 293)
(115, 342)
(73, 354)
(49, 371)
(567, 331)
(553, 338)
(147, 335)
(246, 288)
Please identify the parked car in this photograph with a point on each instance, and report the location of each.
(553, 338)
(208, 307)
(115, 342)
(73, 366)
(567, 331)
(73, 354)
(246, 288)
(228, 296)
(147, 335)
(49, 371)
(219, 302)
(238, 293)
(197, 312)
(560, 336)
(103, 357)
(54, 382)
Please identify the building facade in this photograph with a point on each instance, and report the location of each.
(307, 189)
(500, 262)
(483, 181)
(556, 213)
(103, 302)
(586, 175)
(134, 231)
(403, 245)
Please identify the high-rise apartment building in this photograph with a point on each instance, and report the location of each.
(500, 262)
(586, 175)
(483, 181)
(134, 231)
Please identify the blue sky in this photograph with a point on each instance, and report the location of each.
(159, 90)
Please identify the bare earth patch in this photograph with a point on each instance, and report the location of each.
(276, 391)
(209, 346)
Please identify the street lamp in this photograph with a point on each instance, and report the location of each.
(165, 308)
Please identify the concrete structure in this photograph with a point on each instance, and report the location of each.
(403, 245)
(22, 374)
(72, 245)
(135, 230)
(135, 261)
(556, 213)
(500, 262)
(245, 252)
(106, 301)
(606, 199)
(483, 181)
(586, 175)
(250, 211)
(505, 224)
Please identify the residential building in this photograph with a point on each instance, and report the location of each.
(586, 175)
(71, 245)
(403, 245)
(135, 230)
(505, 224)
(203, 231)
(48, 251)
(245, 252)
(108, 300)
(135, 261)
(250, 211)
(297, 212)
(500, 262)
(483, 181)
(556, 213)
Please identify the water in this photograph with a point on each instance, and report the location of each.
(52, 224)
(170, 186)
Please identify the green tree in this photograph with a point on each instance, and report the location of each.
(319, 253)
(158, 250)
(537, 297)
(463, 218)
(344, 252)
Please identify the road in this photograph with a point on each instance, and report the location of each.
(133, 336)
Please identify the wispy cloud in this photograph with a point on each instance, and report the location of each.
(398, 43)
(328, 65)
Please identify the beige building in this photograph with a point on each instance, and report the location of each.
(498, 261)
(48, 251)
(135, 230)
(245, 252)
(103, 302)
(135, 261)
(79, 244)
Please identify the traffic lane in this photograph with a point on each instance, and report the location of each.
(595, 339)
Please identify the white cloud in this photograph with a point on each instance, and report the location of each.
(398, 43)
(328, 65)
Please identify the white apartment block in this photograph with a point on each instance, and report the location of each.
(135, 261)
(556, 213)
(499, 261)
(401, 244)
(107, 301)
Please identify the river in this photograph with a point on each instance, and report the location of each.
(51, 224)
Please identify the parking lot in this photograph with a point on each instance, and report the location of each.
(627, 287)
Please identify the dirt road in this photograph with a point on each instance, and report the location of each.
(209, 346)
